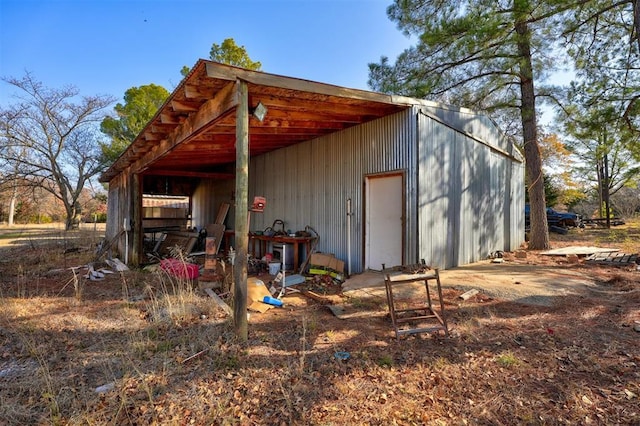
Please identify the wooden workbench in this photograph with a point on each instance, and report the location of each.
(262, 242)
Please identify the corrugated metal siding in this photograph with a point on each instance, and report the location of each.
(464, 190)
(206, 201)
(309, 183)
(463, 200)
(478, 125)
(516, 202)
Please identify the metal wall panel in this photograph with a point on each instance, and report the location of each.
(310, 183)
(463, 199)
(470, 122)
(206, 201)
(469, 195)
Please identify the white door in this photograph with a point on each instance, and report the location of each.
(384, 221)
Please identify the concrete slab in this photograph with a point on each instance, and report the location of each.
(523, 283)
(578, 250)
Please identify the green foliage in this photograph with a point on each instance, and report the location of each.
(507, 359)
(601, 112)
(467, 54)
(140, 105)
(551, 191)
(385, 361)
(229, 53)
(599, 137)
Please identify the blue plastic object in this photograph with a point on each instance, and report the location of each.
(272, 301)
(342, 355)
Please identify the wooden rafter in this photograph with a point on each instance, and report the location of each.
(195, 129)
(224, 101)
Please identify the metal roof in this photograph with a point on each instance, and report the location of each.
(194, 132)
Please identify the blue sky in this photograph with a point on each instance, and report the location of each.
(108, 46)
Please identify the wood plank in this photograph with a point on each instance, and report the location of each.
(190, 173)
(166, 118)
(216, 230)
(182, 106)
(469, 294)
(221, 303)
(224, 101)
(225, 72)
(222, 213)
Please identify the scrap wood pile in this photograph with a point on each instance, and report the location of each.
(321, 283)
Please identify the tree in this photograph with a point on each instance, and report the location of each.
(50, 139)
(482, 54)
(606, 62)
(229, 53)
(140, 105)
(627, 200)
(601, 141)
(602, 112)
(557, 163)
(487, 55)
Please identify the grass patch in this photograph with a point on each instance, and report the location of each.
(507, 359)
(147, 348)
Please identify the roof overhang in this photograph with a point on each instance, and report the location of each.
(194, 132)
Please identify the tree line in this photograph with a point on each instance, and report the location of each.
(496, 57)
(53, 142)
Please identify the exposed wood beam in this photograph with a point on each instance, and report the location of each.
(326, 106)
(162, 127)
(183, 106)
(150, 136)
(166, 118)
(325, 116)
(260, 78)
(224, 101)
(189, 173)
(191, 91)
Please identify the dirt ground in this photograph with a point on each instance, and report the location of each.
(546, 340)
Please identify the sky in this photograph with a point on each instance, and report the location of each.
(104, 47)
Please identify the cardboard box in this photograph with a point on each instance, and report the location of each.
(323, 260)
(337, 265)
(256, 291)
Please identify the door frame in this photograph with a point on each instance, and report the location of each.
(367, 177)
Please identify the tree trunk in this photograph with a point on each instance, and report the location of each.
(72, 212)
(539, 237)
(636, 21)
(600, 172)
(12, 205)
(605, 189)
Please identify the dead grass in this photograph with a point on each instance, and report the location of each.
(144, 348)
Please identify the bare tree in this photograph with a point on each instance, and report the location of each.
(626, 201)
(50, 139)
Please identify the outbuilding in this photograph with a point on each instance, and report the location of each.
(381, 179)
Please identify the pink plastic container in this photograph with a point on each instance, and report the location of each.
(179, 268)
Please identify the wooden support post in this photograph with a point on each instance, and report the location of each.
(241, 213)
(137, 230)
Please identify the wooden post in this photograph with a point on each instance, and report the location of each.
(242, 211)
(137, 230)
